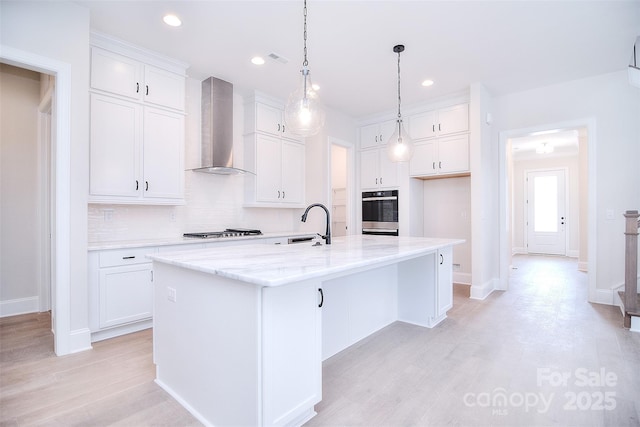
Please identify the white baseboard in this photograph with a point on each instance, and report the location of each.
(79, 340)
(518, 251)
(121, 330)
(17, 306)
(462, 278)
(573, 253)
(583, 266)
(482, 291)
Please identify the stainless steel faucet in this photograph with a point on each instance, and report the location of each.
(327, 233)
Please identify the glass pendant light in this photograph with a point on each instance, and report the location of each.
(400, 145)
(303, 114)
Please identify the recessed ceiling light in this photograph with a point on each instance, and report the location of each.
(427, 83)
(257, 60)
(172, 20)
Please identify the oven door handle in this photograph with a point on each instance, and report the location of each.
(375, 199)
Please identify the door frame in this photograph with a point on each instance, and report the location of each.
(350, 196)
(565, 170)
(594, 294)
(61, 198)
(45, 143)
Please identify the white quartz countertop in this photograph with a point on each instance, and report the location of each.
(275, 265)
(126, 244)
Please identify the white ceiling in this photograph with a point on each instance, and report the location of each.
(507, 45)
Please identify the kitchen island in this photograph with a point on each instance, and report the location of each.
(240, 332)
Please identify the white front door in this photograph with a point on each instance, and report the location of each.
(546, 216)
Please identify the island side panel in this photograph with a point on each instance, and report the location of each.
(417, 281)
(207, 344)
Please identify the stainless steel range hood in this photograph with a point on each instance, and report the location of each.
(217, 128)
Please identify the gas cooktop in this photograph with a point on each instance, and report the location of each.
(229, 232)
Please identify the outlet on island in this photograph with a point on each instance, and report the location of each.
(171, 294)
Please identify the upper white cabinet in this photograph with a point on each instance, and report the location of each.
(276, 156)
(441, 141)
(137, 128)
(445, 121)
(121, 75)
(442, 156)
(376, 170)
(377, 134)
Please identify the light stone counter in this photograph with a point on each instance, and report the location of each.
(276, 265)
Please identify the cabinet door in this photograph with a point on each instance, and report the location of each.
(369, 136)
(422, 125)
(126, 294)
(164, 88)
(268, 119)
(369, 169)
(453, 119)
(163, 154)
(445, 281)
(116, 73)
(268, 168)
(291, 352)
(423, 162)
(293, 158)
(386, 130)
(453, 153)
(388, 170)
(115, 147)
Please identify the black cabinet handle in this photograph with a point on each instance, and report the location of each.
(433, 128)
(439, 165)
(283, 128)
(278, 127)
(137, 185)
(434, 165)
(439, 126)
(147, 90)
(283, 194)
(321, 297)
(129, 257)
(441, 259)
(146, 186)
(137, 87)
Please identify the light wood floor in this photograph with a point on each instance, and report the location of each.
(401, 376)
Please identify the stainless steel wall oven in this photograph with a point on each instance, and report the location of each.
(380, 212)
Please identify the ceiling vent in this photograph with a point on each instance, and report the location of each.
(278, 58)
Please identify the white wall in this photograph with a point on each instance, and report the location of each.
(19, 195)
(60, 31)
(447, 214)
(571, 163)
(614, 105)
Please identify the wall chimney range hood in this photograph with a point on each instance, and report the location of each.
(217, 128)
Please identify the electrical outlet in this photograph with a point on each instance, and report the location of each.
(171, 294)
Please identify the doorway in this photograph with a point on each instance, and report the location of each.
(523, 151)
(341, 192)
(546, 207)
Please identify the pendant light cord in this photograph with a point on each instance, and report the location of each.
(399, 99)
(305, 63)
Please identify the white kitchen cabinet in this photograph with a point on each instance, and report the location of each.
(445, 121)
(377, 134)
(120, 291)
(124, 76)
(444, 291)
(277, 158)
(137, 126)
(441, 156)
(376, 170)
(136, 153)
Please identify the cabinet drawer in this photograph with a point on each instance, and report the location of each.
(125, 256)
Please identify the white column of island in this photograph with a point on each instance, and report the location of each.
(239, 333)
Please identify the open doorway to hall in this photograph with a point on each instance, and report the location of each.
(547, 179)
(26, 214)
